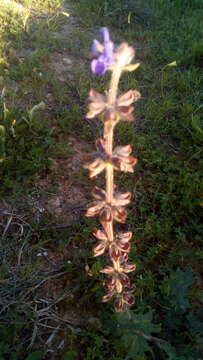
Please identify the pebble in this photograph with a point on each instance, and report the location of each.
(67, 61)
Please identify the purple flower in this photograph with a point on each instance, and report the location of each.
(104, 53)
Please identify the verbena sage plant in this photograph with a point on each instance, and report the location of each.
(110, 204)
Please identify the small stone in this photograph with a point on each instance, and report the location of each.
(50, 97)
(67, 61)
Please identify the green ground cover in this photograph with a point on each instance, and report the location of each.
(46, 303)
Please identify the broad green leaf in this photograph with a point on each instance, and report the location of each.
(176, 288)
(139, 322)
(136, 330)
(137, 346)
(169, 350)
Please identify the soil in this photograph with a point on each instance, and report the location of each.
(62, 207)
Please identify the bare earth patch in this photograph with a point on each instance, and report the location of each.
(60, 198)
(67, 203)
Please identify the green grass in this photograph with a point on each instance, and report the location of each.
(165, 216)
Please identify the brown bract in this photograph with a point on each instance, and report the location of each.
(126, 298)
(120, 159)
(122, 111)
(107, 212)
(100, 159)
(118, 283)
(121, 244)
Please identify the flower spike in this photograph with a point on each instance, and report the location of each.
(109, 204)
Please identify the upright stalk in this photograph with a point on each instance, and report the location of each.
(110, 203)
(108, 136)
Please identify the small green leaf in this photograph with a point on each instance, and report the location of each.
(131, 67)
(65, 13)
(129, 17)
(173, 63)
(6, 112)
(196, 124)
(2, 143)
(40, 106)
(3, 93)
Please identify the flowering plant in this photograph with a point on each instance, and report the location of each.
(109, 204)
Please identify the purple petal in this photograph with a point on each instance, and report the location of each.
(98, 67)
(105, 33)
(97, 47)
(94, 47)
(108, 52)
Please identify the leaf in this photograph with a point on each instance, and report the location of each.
(139, 322)
(6, 112)
(129, 17)
(36, 355)
(70, 355)
(2, 143)
(131, 67)
(196, 124)
(2, 131)
(3, 93)
(195, 325)
(65, 13)
(137, 346)
(173, 63)
(40, 106)
(170, 350)
(176, 288)
(136, 330)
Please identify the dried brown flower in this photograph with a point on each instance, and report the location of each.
(122, 110)
(121, 159)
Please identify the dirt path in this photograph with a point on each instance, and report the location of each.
(60, 73)
(59, 195)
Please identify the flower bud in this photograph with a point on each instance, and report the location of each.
(119, 304)
(124, 54)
